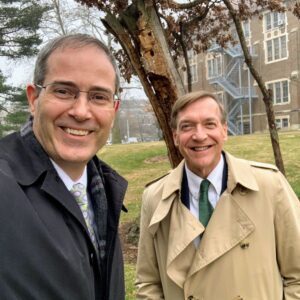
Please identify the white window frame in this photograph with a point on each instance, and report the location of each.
(275, 37)
(246, 29)
(192, 57)
(276, 49)
(280, 93)
(274, 20)
(214, 66)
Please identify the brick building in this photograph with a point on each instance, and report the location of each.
(274, 42)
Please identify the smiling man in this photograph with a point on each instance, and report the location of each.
(217, 227)
(60, 205)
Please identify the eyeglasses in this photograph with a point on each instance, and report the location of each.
(101, 98)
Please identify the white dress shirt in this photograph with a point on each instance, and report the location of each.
(69, 182)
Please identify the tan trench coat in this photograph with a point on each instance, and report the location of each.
(250, 249)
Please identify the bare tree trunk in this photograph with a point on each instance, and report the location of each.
(267, 95)
(141, 35)
(58, 16)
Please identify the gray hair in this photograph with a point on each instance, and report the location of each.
(190, 98)
(72, 41)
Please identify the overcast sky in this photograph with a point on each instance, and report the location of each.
(19, 72)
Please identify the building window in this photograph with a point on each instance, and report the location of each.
(280, 91)
(274, 20)
(214, 66)
(282, 122)
(194, 73)
(192, 56)
(246, 29)
(276, 48)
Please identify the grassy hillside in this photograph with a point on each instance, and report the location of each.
(143, 162)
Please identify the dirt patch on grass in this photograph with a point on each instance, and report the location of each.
(156, 159)
(129, 234)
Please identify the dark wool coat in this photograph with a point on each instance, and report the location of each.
(45, 250)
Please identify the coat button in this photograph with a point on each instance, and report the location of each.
(190, 297)
(244, 244)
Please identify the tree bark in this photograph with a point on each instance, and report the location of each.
(141, 35)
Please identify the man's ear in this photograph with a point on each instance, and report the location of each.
(32, 96)
(117, 105)
(175, 137)
(116, 108)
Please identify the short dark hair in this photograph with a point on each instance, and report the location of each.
(190, 98)
(72, 41)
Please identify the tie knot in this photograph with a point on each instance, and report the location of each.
(78, 190)
(78, 187)
(204, 186)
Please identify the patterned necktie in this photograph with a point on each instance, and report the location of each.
(205, 208)
(79, 192)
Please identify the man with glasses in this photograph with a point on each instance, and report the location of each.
(60, 205)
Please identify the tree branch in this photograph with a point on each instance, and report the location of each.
(198, 18)
(267, 95)
(173, 4)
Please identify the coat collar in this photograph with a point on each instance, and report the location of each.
(222, 233)
(171, 189)
(28, 163)
(27, 159)
(239, 174)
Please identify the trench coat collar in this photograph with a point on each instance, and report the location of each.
(239, 173)
(221, 234)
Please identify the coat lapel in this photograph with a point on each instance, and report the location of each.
(228, 226)
(33, 165)
(57, 190)
(183, 227)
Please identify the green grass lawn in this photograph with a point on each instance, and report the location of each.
(140, 163)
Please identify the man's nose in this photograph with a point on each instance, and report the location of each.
(199, 133)
(81, 109)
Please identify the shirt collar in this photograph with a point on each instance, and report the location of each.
(215, 178)
(67, 180)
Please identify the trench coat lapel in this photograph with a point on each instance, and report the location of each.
(229, 224)
(184, 227)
